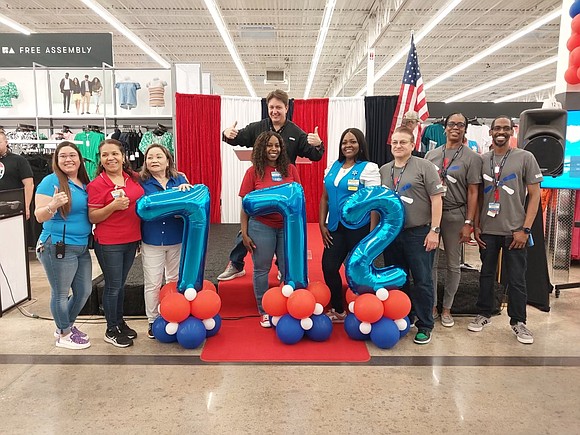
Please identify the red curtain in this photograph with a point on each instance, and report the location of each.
(197, 119)
(309, 114)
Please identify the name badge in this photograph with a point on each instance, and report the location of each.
(353, 184)
(118, 193)
(276, 176)
(493, 209)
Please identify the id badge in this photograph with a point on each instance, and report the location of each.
(493, 209)
(353, 184)
(117, 193)
(276, 176)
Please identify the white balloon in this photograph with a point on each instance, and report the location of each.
(287, 290)
(401, 324)
(382, 294)
(318, 308)
(190, 294)
(365, 328)
(351, 307)
(209, 323)
(274, 320)
(306, 323)
(171, 328)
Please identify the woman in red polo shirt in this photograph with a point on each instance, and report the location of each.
(112, 197)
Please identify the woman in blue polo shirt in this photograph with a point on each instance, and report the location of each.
(61, 206)
(161, 238)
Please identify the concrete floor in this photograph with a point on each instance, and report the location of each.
(461, 382)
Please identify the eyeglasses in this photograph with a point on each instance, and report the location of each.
(459, 125)
(499, 128)
(400, 142)
(68, 156)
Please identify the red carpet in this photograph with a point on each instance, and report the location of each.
(245, 340)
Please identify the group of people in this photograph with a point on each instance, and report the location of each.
(81, 92)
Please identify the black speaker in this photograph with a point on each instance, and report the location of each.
(543, 133)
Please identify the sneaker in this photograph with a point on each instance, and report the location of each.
(523, 334)
(150, 331)
(265, 321)
(335, 316)
(477, 324)
(423, 336)
(73, 330)
(129, 332)
(435, 314)
(230, 273)
(279, 276)
(72, 341)
(447, 320)
(117, 338)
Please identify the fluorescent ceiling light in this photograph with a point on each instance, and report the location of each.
(326, 19)
(503, 79)
(13, 24)
(526, 92)
(109, 18)
(506, 41)
(420, 35)
(225, 34)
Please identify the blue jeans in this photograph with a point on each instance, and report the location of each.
(74, 271)
(238, 253)
(115, 262)
(407, 251)
(515, 268)
(268, 241)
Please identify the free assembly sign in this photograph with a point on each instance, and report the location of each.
(56, 49)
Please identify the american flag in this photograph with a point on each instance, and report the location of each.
(411, 95)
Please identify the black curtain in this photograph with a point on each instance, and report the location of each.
(288, 115)
(379, 112)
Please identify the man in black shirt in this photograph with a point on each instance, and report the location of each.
(15, 173)
(298, 144)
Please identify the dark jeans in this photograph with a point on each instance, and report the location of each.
(115, 262)
(407, 251)
(515, 268)
(238, 253)
(343, 241)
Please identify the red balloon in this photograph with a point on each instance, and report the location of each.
(574, 58)
(208, 285)
(576, 24)
(170, 287)
(571, 76)
(274, 302)
(320, 291)
(573, 41)
(350, 296)
(368, 308)
(206, 304)
(397, 305)
(174, 308)
(301, 304)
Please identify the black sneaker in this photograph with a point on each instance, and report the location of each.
(423, 336)
(131, 333)
(150, 331)
(117, 338)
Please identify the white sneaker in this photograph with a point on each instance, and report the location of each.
(523, 334)
(230, 273)
(478, 323)
(72, 341)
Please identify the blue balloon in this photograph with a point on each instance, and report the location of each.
(406, 330)
(158, 328)
(385, 333)
(218, 324)
(351, 326)
(288, 200)
(361, 274)
(193, 207)
(321, 328)
(289, 330)
(191, 333)
(575, 9)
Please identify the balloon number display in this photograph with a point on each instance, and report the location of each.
(378, 309)
(189, 310)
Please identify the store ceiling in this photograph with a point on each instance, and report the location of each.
(282, 34)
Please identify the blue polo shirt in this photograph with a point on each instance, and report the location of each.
(166, 231)
(77, 222)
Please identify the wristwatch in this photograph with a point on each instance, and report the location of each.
(436, 230)
(468, 222)
(527, 230)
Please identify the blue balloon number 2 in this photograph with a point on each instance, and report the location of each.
(361, 274)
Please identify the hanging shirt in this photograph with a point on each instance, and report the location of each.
(149, 137)
(90, 150)
(156, 93)
(8, 91)
(128, 94)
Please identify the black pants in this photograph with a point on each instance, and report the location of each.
(66, 100)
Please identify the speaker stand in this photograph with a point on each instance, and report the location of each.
(568, 285)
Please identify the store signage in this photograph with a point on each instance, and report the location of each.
(56, 49)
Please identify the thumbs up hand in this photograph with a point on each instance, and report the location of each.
(231, 132)
(314, 139)
(58, 199)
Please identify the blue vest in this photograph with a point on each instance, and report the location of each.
(337, 195)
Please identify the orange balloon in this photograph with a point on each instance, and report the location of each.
(274, 302)
(208, 285)
(301, 304)
(320, 291)
(174, 307)
(350, 296)
(206, 304)
(397, 305)
(170, 287)
(368, 308)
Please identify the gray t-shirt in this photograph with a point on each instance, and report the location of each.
(418, 182)
(463, 168)
(519, 170)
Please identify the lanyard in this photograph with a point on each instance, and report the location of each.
(444, 168)
(497, 174)
(396, 183)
